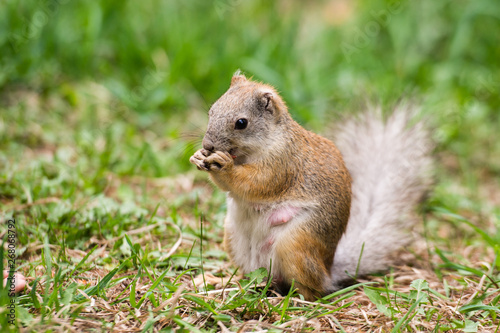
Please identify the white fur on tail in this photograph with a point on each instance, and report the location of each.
(390, 165)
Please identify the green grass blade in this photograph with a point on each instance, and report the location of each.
(91, 291)
(404, 320)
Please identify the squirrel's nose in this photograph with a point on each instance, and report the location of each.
(208, 145)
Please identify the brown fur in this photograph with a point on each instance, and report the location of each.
(305, 258)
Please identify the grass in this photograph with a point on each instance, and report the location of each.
(103, 102)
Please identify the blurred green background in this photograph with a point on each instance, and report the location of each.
(127, 84)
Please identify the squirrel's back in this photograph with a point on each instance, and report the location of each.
(390, 166)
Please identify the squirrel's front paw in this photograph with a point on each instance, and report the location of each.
(199, 158)
(219, 161)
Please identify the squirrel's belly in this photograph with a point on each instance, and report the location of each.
(251, 240)
(254, 229)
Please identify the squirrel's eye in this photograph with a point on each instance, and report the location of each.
(241, 123)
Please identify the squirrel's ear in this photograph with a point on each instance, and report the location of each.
(266, 99)
(238, 78)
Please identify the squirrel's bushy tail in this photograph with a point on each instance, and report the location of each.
(390, 165)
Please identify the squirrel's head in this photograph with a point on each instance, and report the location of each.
(245, 120)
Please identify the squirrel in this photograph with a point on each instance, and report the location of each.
(316, 217)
